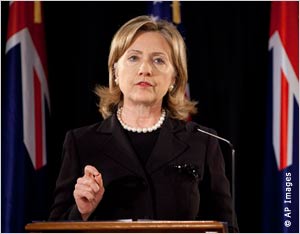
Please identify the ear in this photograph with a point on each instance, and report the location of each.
(173, 81)
(116, 70)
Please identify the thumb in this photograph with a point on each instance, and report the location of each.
(98, 179)
(90, 171)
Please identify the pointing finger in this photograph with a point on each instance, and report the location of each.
(90, 171)
(99, 180)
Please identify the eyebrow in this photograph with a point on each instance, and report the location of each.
(153, 53)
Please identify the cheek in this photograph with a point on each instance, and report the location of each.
(167, 81)
(164, 86)
(123, 83)
(126, 75)
(126, 82)
(123, 74)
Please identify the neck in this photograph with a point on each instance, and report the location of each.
(143, 128)
(141, 117)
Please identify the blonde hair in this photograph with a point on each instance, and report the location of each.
(175, 101)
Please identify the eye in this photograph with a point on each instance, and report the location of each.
(159, 61)
(133, 58)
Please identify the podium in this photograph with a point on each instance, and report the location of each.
(128, 226)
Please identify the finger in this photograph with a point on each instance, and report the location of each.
(84, 194)
(88, 184)
(90, 171)
(98, 179)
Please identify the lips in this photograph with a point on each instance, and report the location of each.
(144, 84)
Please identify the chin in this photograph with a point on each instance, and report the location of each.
(145, 102)
(144, 98)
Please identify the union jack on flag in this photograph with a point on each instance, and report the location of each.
(25, 105)
(281, 185)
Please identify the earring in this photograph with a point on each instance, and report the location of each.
(117, 81)
(171, 88)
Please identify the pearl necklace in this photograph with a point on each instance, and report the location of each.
(143, 130)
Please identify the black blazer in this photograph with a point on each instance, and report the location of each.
(183, 179)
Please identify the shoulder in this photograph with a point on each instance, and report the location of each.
(84, 130)
(85, 137)
(193, 133)
(87, 130)
(195, 127)
(191, 127)
(96, 131)
(103, 126)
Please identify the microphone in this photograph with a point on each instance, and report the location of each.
(198, 128)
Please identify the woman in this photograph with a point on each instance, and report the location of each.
(144, 161)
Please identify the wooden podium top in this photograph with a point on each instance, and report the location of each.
(127, 226)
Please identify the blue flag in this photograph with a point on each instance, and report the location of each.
(170, 11)
(25, 104)
(167, 10)
(281, 169)
(160, 10)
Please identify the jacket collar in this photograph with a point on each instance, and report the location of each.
(168, 146)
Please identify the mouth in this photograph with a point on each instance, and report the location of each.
(144, 84)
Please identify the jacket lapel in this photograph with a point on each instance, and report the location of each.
(167, 147)
(118, 146)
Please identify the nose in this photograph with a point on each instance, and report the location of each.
(145, 69)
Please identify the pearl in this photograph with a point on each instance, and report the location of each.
(143, 130)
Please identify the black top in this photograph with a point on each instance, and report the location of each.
(143, 143)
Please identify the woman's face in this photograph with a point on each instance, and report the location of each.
(145, 71)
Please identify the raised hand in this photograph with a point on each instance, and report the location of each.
(88, 191)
